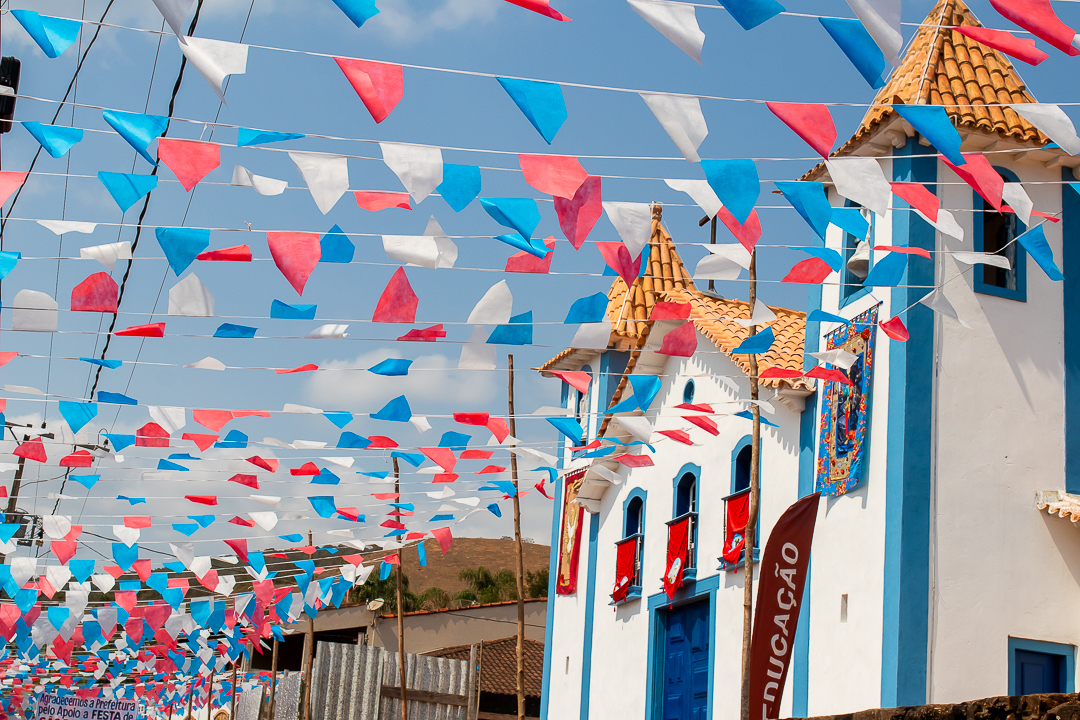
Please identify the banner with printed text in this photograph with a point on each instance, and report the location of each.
(70, 707)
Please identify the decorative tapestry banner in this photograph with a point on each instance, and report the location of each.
(570, 538)
(842, 425)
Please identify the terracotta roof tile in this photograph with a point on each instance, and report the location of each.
(943, 67)
(498, 669)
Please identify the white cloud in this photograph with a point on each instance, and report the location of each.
(433, 384)
(403, 21)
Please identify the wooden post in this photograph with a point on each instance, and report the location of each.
(210, 697)
(712, 241)
(273, 679)
(190, 697)
(232, 707)
(309, 661)
(519, 554)
(400, 619)
(751, 519)
(470, 690)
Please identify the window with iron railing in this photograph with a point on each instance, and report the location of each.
(690, 566)
(638, 539)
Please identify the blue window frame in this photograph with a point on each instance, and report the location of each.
(851, 288)
(996, 232)
(634, 531)
(686, 504)
(688, 392)
(1038, 666)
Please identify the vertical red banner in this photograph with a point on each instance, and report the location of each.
(782, 577)
(570, 538)
(676, 556)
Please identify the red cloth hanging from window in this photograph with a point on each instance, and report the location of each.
(738, 510)
(676, 556)
(625, 557)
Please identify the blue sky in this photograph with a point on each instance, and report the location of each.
(788, 58)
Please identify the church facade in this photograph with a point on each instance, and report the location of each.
(945, 564)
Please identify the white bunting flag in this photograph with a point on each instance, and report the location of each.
(327, 177)
(59, 227)
(881, 18)
(1053, 122)
(418, 167)
(682, 119)
(700, 192)
(861, 180)
(214, 59)
(495, 308)
(243, 177)
(633, 222)
(190, 297)
(33, 310)
(678, 23)
(107, 254)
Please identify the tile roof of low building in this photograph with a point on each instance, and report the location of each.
(946, 68)
(498, 665)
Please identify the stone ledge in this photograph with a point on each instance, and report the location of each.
(1058, 706)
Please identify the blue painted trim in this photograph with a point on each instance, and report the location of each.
(725, 567)
(595, 385)
(654, 674)
(635, 493)
(553, 564)
(590, 610)
(1070, 236)
(687, 468)
(744, 441)
(564, 403)
(1020, 293)
(905, 609)
(1050, 648)
(800, 672)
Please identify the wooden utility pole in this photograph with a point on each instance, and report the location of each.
(273, 678)
(190, 697)
(751, 519)
(400, 615)
(712, 241)
(232, 707)
(309, 661)
(519, 554)
(210, 696)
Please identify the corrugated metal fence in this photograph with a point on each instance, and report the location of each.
(356, 682)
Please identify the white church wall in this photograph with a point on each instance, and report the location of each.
(1002, 567)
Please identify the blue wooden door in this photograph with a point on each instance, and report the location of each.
(1038, 672)
(686, 663)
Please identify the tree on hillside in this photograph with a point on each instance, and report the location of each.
(536, 583)
(386, 589)
(487, 587)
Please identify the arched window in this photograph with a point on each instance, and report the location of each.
(741, 481)
(854, 218)
(686, 502)
(629, 551)
(635, 511)
(996, 233)
(686, 494)
(688, 392)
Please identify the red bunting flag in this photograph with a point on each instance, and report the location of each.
(79, 458)
(812, 122)
(894, 327)
(981, 176)
(151, 435)
(303, 368)
(296, 254)
(375, 201)
(155, 330)
(236, 253)
(32, 450)
(398, 302)
(680, 342)
(1039, 18)
(577, 379)
(9, 183)
(430, 334)
(540, 6)
(201, 441)
(526, 262)
(446, 540)
(747, 233)
(618, 259)
(917, 196)
(212, 419)
(578, 216)
(677, 435)
(380, 85)
(96, 293)
(811, 271)
(828, 375)
(634, 461)
(443, 457)
(189, 160)
(703, 422)
(480, 419)
(202, 499)
(251, 481)
(1020, 48)
(556, 175)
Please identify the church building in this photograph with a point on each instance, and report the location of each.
(946, 562)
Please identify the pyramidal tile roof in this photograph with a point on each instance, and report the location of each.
(943, 67)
